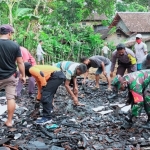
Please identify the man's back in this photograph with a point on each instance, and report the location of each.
(42, 71)
(138, 80)
(9, 51)
(96, 61)
(26, 56)
(68, 67)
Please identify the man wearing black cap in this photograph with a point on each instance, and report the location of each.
(126, 60)
(9, 54)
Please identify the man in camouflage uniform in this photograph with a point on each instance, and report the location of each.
(138, 85)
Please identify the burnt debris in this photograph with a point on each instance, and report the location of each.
(99, 125)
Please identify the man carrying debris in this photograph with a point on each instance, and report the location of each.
(9, 55)
(71, 70)
(126, 60)
(48, 79)
(140, 50)
(103, 64)
(146, 62)
(138, 86)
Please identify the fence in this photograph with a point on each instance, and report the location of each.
(48, 59)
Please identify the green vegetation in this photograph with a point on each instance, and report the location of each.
(56, 22)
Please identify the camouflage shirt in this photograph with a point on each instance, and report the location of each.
(138, 80)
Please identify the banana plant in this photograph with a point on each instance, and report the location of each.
(10, 4)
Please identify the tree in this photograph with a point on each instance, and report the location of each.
(56, 22)
(143, 3)
(130, 7)
(73, 11)
(10, 4)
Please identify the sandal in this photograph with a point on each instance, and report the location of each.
(109, 89)
(4, 125)
(95, 88)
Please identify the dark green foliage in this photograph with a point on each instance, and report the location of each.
(132, 6)
(56, 22)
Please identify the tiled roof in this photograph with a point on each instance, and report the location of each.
(134, 21)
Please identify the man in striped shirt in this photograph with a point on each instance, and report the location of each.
(71, 70)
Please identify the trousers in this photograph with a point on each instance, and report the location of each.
(137, 108)
(31, 86)
(49, 91)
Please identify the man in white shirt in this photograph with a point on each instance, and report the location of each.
(40, 52)
(140, 50)
(105, 50)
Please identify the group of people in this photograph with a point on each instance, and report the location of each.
(136, 82)
(48, 78)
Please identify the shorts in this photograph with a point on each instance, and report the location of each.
(40, 58)
(107, 69)
(9, 85)
(139, 66)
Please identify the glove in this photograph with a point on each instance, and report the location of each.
(37, 106)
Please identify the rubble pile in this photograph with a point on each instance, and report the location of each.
(95, 126)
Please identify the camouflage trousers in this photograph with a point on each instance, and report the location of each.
(137, 108)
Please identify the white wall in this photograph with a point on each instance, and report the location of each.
(115, 39)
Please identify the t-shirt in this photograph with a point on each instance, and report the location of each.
(122, 59)
(96, 61)
(105, 49)
(140, 50)
(26, 56)
(9, 51)
(39, 50)
(41, 79)
(69, 68)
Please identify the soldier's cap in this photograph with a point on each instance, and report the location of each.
(120, 46)
(117, 82)
(6, 28)
(139, 36)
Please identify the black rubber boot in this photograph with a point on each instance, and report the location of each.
(129, 118)
(37, 105)
(128, 122)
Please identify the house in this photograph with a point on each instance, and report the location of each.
(127, 25)
(94, 20)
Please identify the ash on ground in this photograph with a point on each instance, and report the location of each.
(95, 126)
